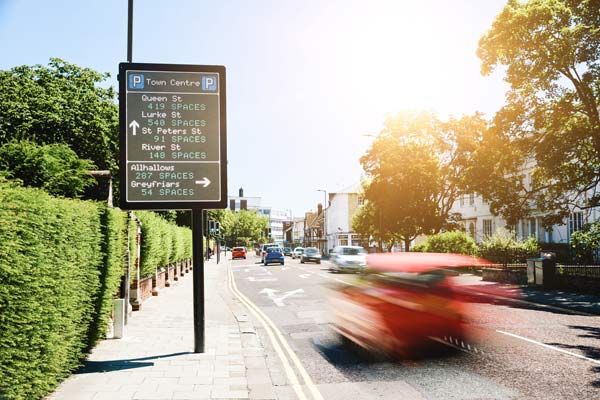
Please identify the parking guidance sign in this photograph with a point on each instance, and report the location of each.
(172, 136)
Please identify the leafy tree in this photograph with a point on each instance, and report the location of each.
(456, 242)
(367, 221)
(551, 52)
(54, 168)
(61, 103)
(241, 228)
(416, 168)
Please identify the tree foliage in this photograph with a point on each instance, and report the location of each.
(551, 52)
(60, 103)
(241, 228)
(54, 167)
(416, 169)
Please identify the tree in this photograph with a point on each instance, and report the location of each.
(416, 168)
(456, 242)
(54, 167)
(551, 52)
(61, 103)
(242, 228)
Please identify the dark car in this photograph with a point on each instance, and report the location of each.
(287, 251)
(274, 255)
(311, 254)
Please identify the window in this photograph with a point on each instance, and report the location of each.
(361, 200)
(533, 227)
(487, 227)
(471, 199)
(575, 222)
(462, 201)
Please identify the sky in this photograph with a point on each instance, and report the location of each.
(307, 80)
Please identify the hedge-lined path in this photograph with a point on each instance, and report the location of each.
(155, 359)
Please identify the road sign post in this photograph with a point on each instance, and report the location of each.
(174, 149)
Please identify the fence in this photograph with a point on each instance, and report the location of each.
(586, 271)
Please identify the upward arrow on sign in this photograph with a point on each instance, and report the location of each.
(134, 125)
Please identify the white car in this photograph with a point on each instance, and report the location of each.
(348, 258)
(297, 253)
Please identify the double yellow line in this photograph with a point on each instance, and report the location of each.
(278, 342)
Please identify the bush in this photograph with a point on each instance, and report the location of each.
(504, 248)
(585, 243)
(57, 282)
(54, 167)
(448, 242)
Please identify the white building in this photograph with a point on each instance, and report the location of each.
(479, 222)
(275, 216)
(338, 218)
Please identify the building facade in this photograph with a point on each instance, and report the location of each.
(343, 205)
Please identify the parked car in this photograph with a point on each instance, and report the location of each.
(311, 254)
(298, 251)
(238, 252)
(348, 259)
(401, 301)
(287, 251)
(263, 250)
(274, 255)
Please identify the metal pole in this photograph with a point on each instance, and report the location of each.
(129, 30)
(198, 280)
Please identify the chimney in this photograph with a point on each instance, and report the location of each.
(241, 192)
(319, 209)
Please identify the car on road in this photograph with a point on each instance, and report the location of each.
(400, 302)
(238, 252)
(263, 250)
(348, 259)
(274, 255)
(287, 251)
(298, 251)
(311, 254)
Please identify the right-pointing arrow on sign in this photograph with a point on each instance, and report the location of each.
(134, 125)
(205, 182)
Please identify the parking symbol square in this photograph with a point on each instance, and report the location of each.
(209, 83)
(136, 81)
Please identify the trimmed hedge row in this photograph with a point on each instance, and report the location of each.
(162, 243)
(61, 263)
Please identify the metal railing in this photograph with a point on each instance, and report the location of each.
(588, 271)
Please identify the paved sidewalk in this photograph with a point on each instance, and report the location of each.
(155, 359)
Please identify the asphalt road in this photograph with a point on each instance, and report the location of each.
(517, 351)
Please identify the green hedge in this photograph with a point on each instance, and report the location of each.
(161, 243)
(448, 242)
(50, 268)
(61, 264)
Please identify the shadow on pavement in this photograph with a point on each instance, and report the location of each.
(585, 350)
(118, 365)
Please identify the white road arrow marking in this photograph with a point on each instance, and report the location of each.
(304, 276)
(253, 279)
(134, 125)
(205, 182)
(279, 300)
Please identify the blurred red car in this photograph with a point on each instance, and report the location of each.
(238, 252)
(400, 301)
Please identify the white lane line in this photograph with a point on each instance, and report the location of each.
(262, 317)
(291, 375)
(550, 347)
(566, 310)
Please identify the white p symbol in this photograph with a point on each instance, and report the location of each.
(137, 79)
(210, 81)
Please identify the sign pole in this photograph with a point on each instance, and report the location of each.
(198, 280)
(129, 30)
